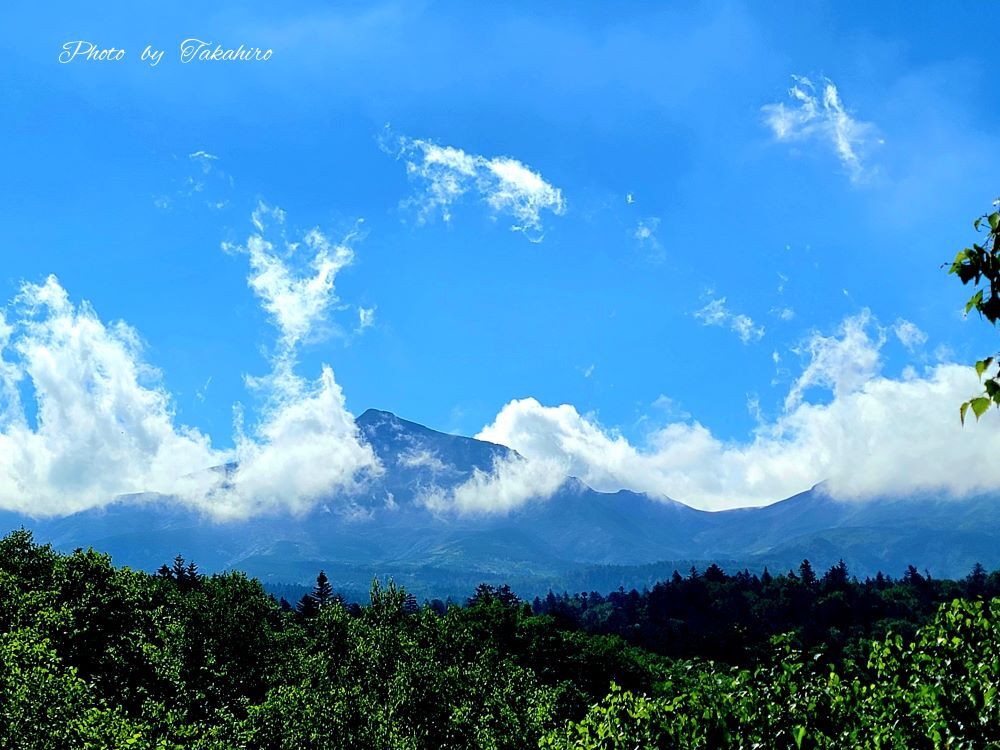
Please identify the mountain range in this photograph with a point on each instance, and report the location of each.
(578, 539)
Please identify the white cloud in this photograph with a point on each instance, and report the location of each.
(298, 300)
(645, 235)
(512, 482)
(202, 179)
(715, 313)
(445, 174)
(203, 158)
(103, 424)
(877, 435)
(366, 318)
(669, 408)
(841, 363)
(783, 313)
(200, 394)
(208, 165)
(422, 458)
(909, 334)
(305, 448)
(821, 116)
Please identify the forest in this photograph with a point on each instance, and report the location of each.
(98, 656)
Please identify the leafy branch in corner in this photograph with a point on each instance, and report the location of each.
(980, 265)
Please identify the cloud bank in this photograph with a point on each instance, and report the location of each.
(870, 435)
(445, 174)
(511, 483)
(84, 418)
(103, 423)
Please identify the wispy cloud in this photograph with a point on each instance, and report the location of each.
(445, 174)
(820, 115)
(841, 362)
(366, 319)
(203, 181)
(909, 334)
(715, 313)
(645, 235)
(200, 394)
(783, 313)
(293, 280)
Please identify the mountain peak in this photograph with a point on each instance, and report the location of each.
(374, 415)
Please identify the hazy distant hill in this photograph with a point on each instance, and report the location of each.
(579, 538)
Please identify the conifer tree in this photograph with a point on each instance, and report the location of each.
(307, 606)
(323, 592)
(807, 574)
(179, 569)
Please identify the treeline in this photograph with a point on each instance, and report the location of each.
(94, 656)
(102, 657)
(732, 618)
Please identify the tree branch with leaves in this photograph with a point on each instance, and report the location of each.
(980, 266)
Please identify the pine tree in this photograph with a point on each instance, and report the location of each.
(322, 594)
(975, 582)
(410, 605)
(836, 578)
(307, 606)
(179, 570)
(807, 574)
(715, 574)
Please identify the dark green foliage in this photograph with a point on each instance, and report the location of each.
(732, 618)
(939, 690)
(93, 656)
(97, 656)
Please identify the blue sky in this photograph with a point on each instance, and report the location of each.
(702, 246)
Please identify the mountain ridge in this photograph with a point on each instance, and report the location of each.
(388, 530)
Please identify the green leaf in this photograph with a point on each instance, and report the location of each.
(994, 219)
(961, 411)
(800, 734)
(974, 301)
(980, 405)
(982, 364)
